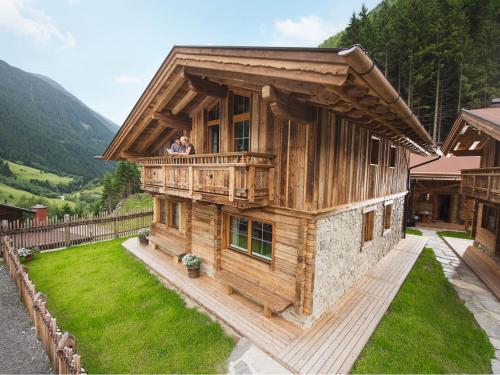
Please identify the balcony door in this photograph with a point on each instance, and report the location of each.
(241, 123)
(213, 129)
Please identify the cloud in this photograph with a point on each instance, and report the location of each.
(307, 31)
(21, 17)
(128, 79)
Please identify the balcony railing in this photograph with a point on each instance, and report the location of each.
(242, 179)
(482, 184)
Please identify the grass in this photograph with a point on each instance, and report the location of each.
(415, 232)
(427, 329)
(12, 195)
(124, 319)
(139, 201)
(454, 234)
(26, 173)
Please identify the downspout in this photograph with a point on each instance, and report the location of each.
(408, 188)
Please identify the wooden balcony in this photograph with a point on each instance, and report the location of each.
(482, 184)
(242, 179)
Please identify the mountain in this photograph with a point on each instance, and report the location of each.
(45, 126)
(441, 55)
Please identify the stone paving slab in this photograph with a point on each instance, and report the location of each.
(20, 350)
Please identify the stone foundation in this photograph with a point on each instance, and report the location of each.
(341, 258)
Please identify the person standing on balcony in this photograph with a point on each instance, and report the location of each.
(188, 147)
(177, 147)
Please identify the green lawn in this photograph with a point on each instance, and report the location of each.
(12, 195)
(427, 329)
(26, 173)
(139, 201)
(415, 232)
(124, 319)
(451, 233)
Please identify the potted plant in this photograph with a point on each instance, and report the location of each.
(143, 235)
(193, 264)
(27, 254)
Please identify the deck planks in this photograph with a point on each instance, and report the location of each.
(334, 341)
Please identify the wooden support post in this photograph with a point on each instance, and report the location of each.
(190, 180)
(267, 311)
(232, 178)
(115, 227)
(229, 290)
(251, 184)
(270, 183)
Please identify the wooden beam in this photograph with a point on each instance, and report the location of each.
(133, 156)
(169, 93)
(184, 102)
(171, 121)
(204, 86)
(287, 107)
(160, 140)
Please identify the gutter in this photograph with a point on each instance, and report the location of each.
(364, 66)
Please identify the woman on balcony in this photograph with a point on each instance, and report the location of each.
(188, 147)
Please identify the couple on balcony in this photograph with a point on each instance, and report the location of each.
(181, 146)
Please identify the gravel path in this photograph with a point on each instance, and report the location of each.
(20, 350)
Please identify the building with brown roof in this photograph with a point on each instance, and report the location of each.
(477, 133)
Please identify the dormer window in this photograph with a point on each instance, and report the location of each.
(213, 125)
(241, 122)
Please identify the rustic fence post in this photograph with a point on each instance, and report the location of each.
(67, 234)
(115, 226)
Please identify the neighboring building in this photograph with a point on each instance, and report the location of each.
(477, 133)
(435, 191)
(10, 214)
(299, 181)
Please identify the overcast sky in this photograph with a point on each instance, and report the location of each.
(106, 51)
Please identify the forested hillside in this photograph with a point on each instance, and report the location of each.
(44, 126)
(441, 55)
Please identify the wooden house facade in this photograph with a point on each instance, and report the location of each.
(435, 195)
(298, 183)
(477, 133)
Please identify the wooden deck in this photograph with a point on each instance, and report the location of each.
(481, 264)
(333, 343)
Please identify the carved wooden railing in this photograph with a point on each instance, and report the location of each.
(482, 183)
(239, 178)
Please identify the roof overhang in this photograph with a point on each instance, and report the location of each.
(469, 134)
(345, 81)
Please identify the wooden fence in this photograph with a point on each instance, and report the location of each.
(60, 347)
(56, 233)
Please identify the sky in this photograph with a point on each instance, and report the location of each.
(106, 51)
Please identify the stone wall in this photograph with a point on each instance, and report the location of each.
(341, 259)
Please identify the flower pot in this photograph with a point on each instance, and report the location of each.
(143, 240)
(28, 258)
(193, 273)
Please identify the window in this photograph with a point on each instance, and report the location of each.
(489, 218)
(387, 216)
(213, 124)
(392, 157)
(162, 211)
(374, 150)
(368, 221)
(241, 122)
(260, 235)
(175, 214)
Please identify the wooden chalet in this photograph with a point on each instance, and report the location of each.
(435, 195)
(477, 133)
(298, 184)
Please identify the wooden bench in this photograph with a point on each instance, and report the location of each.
(166, 246)
(271, 301)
